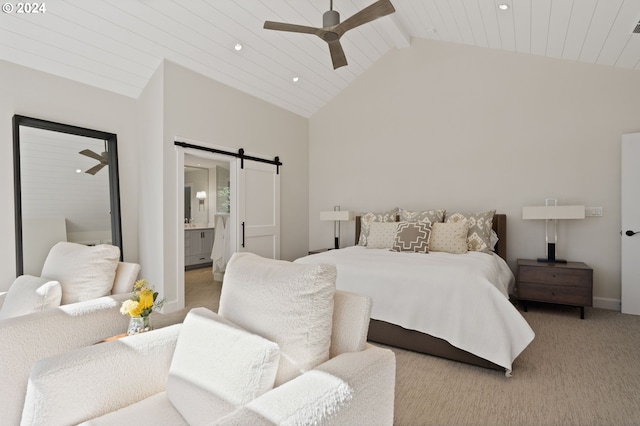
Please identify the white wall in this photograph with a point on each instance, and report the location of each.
(200, 109)
(441, 125)
(32, 93)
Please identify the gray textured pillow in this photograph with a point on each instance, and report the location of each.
(432, 216)
(381, 235)
(367, 218)
(412, 236)
(449, 237)
(480, 225)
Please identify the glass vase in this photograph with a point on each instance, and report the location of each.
(138, 325)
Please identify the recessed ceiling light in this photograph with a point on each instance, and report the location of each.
(238, 47)
(78, 171)
(503, 6)
(296, 79)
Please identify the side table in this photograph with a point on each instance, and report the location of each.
(568, 283)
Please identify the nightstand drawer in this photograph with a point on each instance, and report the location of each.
(557, 276)
(580, 296)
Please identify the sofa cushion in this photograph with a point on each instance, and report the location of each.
(288, 303)
(30, 294)
(217, 367)
(84, 272)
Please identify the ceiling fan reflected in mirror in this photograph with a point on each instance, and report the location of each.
(102, 158)
(332, 29)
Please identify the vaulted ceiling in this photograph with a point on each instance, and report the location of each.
(118, 44)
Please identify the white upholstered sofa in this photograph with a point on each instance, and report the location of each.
(26, 338)
(286, 348)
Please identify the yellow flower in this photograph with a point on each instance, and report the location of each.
(139, 284)
(143, 301)
(146, 298)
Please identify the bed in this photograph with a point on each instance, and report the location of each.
(454, 306)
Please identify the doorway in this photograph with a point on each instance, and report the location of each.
(207, 203)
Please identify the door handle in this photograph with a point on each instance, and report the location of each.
(630, 233)
(242, 234)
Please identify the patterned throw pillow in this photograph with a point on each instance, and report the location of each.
(432, 216)
(412, 236)
(367, 218)
(480, 225)
(381, 235)
(449, 237)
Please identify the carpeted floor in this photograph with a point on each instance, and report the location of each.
(575, 372)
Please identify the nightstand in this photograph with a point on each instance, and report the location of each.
(568, 283)
(319, 251)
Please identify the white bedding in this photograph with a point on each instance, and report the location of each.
(461, 298)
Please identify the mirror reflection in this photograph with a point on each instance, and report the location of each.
(65, 190)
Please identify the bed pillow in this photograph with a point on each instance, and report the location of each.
(288, 303)
(367, 218)
(412, 236)
(480, 225)
(30, 294)
(381, 235)
(432, 216)
(84, 272)
(449, 237)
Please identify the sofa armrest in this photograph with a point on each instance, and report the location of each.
(62, 388)
(352, 388)
(126, 275)
(28, 338)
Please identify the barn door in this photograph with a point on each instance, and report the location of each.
(259, 209)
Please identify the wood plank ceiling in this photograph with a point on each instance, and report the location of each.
(118, 44)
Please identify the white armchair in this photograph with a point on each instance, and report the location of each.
(29, 337)
(209, 370)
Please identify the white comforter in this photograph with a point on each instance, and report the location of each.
(461, 298)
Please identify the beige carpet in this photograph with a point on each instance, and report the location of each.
(576, 372)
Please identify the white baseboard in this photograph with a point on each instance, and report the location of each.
(218, 276)
(605, 303)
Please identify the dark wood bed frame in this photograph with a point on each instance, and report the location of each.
(394, 335)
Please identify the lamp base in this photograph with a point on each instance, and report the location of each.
(551, 255)
(545, 260)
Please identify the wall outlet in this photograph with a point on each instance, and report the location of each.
(593, 211)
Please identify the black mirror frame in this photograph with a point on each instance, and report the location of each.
(114, 182)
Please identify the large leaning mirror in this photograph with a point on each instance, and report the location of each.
(66, 189)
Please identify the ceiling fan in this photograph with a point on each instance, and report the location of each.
(102, 158)
(332, 29)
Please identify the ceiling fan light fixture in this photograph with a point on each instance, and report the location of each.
(330, 18)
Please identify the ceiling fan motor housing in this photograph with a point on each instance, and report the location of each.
(330, 18)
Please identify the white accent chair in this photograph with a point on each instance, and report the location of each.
(210, 370)
(29, 337)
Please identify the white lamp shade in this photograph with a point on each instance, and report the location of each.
(336, 215)
(553, 212)
(201, 195)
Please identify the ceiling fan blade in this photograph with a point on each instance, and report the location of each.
(91, 154)
(281, 26)
(376, 10)
(95, 169)
(337, 54)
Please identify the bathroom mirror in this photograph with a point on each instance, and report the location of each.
(66, 189)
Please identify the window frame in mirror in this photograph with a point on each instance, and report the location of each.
(114, 182)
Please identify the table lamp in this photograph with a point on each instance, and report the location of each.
(551, 212)
(337, 216)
